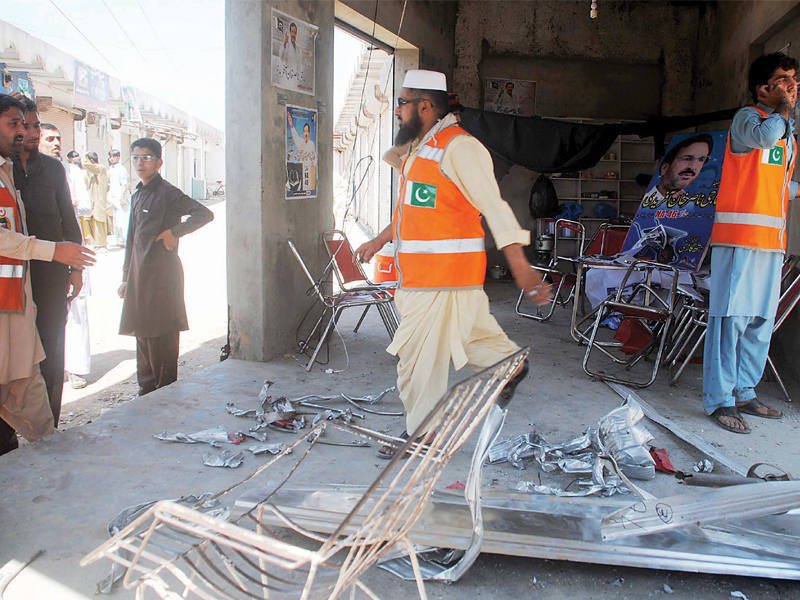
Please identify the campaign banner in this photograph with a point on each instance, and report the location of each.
(91, 88)
(674, 221)
(301, 152)
(293, 53)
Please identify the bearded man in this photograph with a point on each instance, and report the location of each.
(447, 184)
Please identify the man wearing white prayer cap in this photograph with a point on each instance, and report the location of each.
(447, 184)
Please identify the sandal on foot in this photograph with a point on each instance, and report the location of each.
(751, 408)
(732, 412)
(387, 452)
(508, 392)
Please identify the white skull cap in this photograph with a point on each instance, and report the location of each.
(425, 80)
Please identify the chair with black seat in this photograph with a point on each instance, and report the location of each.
(556, 273)
(333, 303)
(643, 305)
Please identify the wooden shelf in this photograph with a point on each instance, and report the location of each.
(638, 153)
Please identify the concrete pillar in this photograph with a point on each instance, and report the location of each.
(266, 288)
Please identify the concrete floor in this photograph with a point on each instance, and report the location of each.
(60, 493)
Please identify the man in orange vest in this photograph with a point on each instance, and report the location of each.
(748, 244)
(24, 405)
(447, 184)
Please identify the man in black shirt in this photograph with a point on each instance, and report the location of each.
(42, 183)
(152, 275)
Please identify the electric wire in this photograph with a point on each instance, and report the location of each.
(88, 41)
(135, 47)
(353, 173)
(164, 48)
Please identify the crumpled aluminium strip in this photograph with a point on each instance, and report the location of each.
(732, 503)
(227, 459)
(444, 570)
(600, 483)
(619, 434)
(214, 436)
(274, 448)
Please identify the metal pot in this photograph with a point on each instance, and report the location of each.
(544, 242)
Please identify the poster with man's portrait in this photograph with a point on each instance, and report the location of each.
(510, 96)
(673, 223)
(301, 152)
(293, 53)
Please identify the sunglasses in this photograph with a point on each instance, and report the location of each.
(403, 101)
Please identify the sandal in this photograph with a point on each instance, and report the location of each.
(508, 392)
(387, 452)
(751, 408)
(729, 411)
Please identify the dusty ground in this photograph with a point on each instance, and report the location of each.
(112, 380)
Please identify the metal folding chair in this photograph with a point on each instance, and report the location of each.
(334, 303)
(270, 548)
(786, 304)
(693, 321)
(645, 305)
(555, 273)
(350, 275)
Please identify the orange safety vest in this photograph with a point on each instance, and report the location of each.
(440, 239)
(753, 198)
(12, 271)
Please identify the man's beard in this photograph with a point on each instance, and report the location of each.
(408, 130)
(10, 147)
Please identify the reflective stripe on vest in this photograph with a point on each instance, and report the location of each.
(12, 271)
(440, 239)
(753, 198)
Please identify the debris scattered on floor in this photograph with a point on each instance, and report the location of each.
(668, 589)
(227, 459)
(661, 458)
(738, 594)
(275, 448)
(214, 436)
(618, 434)
(703, 466)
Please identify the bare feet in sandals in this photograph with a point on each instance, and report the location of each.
(758, 409)
(729, 418)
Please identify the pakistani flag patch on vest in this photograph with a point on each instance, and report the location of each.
(772, 156)
(420, 194)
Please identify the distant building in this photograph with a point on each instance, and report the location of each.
(96, 112)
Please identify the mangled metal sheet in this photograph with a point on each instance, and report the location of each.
(618, 434)
(569, 529)
(732, 503)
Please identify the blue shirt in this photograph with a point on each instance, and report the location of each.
(749, 130)
(744, 282)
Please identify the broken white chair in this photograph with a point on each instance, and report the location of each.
(182, 553)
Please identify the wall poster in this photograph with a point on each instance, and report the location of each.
(301, 152)
(674, 221)
(510, 96)
(293, 53)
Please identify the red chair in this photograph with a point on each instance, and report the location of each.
(607, 240)
(649, 309)
(350, 275)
